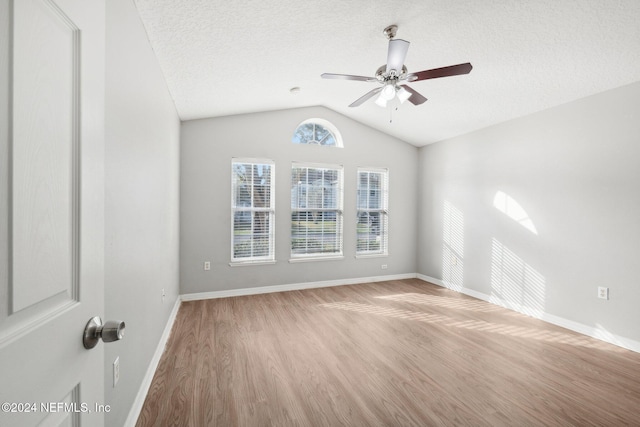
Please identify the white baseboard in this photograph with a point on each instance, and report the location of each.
(594, 332)
(136, 408)
(292, 287)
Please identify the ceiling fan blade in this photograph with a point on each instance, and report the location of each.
(348, 77)
(452, 70)
(366, 96)
(415, 98)
(396, 55)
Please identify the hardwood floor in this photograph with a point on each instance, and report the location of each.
(397, 353)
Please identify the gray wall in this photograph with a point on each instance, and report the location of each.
(142, 203)
(207, 147)
(575, 171)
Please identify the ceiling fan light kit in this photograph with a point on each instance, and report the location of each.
(393, 76)
(403, 94)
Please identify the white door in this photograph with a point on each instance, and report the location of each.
(51, 210)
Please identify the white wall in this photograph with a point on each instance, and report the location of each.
(142, 203)
(575, 171)
(207, 147)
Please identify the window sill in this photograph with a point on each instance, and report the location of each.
(372, 256)
(316, 258)
(250, 263)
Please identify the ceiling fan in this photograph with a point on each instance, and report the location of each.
(393, 75)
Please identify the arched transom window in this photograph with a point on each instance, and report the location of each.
(317, 132)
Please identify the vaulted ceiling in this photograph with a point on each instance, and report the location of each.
(230, 57)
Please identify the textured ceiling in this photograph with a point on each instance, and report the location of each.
(230, 57)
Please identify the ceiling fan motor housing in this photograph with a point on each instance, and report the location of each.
(382, 76)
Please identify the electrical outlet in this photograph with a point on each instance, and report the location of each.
(207, 265)
(383, 266)
(116, 371)
(603, 292)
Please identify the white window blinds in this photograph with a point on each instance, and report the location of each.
(372, 206)
(252, 210)
(316, 210)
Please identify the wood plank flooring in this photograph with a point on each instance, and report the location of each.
(396, 353)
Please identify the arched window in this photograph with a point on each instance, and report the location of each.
(317, 132)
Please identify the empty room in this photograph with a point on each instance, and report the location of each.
(407, 213)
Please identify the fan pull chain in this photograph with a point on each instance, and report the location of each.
(391, 108)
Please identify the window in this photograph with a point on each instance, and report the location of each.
(316, 211)
(317, 132)
(252, 210)
(373, 196)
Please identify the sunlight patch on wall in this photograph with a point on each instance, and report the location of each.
(507, 205)
(452, 246)
(516, 282)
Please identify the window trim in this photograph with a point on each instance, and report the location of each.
(260, 260)
(294, 258)
(384, 210)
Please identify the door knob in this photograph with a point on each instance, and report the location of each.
(111, 330)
